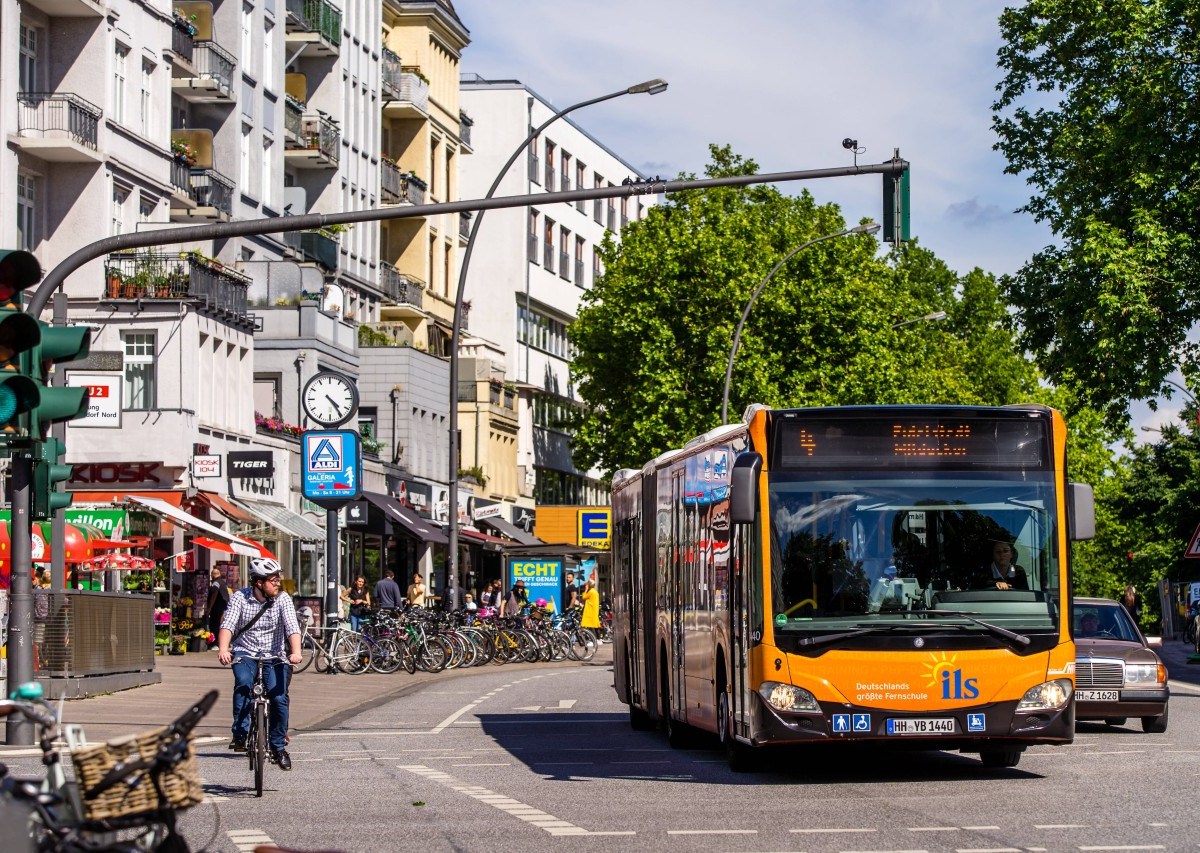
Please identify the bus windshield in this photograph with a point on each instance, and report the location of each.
(860, 549)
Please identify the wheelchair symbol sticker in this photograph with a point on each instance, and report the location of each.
(841, 722)
(862, 722)
(976, 722)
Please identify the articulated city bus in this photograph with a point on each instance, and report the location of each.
(848, 574)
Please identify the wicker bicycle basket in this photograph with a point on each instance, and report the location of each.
(180, 784)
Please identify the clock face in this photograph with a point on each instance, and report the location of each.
(330, 399)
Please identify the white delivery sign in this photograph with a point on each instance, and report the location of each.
(104, 399)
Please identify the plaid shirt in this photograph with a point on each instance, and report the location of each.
(266, 637)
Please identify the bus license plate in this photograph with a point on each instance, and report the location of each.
(925, 726)
(1097, 695)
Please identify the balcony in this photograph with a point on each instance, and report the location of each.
(317, 145)
(182, 199)
(624, 220)
(397, 187)
(612, 218)
(320, 248)
(68, 8)
(464, 224)
(405, 293)
(533, 249)
(548, 257)
(564, 265)
(213, 193)
(183, 46)
(213, 80)
(465, 123)
(598, 210)
(390, 70)
(293, 122)
(534, 168)
(566, 183)
(57, 127)
(578, 273)
(186, 277)
(549, 183)
(314, 28)
(411, 95)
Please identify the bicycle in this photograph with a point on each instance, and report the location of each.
(256, 740)
(134, 785)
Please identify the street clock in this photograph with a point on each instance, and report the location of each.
(330, 399)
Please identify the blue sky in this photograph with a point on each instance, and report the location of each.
(783, 82)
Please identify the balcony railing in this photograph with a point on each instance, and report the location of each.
(579, 273)
(183, 41)
(566, 183)
(214, 62)
(57, 116)
(146, 275)
(181, 177)
(212, 189)
(464, 128)
(320, 248)
(612, 218)
(397, 187)
(291, 239)
(293, 120)
(598, 210)
(315, 16)
(624, 221)
(564, 265)
(322, 134)
(548, 256)
(464, 224)
(533, 249)
(398, 287)
(581, 204)
(534, 168)
(405, 88)
(390, 68)
(549, 185)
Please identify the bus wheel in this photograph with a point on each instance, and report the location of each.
(741, 758)
(1007, 756)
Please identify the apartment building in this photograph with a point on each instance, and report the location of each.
(530, 267)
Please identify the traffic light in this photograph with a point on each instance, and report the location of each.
(47, 473)
(57, 344)
(19, 336)
(897, 214)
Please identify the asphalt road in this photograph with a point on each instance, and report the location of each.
(533, 760)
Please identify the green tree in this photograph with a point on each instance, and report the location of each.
(653, 335)
(1098, 108)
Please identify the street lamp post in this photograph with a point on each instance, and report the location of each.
(933, 316)
(865, 228)
(651, 87)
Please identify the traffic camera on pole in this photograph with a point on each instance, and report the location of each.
(19, 337)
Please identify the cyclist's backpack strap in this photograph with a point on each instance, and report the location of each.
(266, 606)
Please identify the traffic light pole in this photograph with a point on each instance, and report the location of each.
(18, 730)
(58, 430)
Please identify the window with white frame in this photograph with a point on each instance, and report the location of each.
(146, 207)
(268, 61)
(244, 161)
(265, 170)
(146, 99)
(27, 64)
(120, 63)
(247, 38)
(542, 332)
(26, 212)
(120, 195)
(139, 385)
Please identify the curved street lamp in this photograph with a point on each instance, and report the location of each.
(650, 87)
(865, 228)
(934, 316)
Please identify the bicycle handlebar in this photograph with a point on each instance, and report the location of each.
(28, 710)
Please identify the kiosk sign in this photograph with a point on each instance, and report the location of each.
(331, 472)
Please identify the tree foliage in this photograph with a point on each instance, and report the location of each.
(653, 336)
(1099, 107)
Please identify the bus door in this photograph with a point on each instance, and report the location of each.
(740, 699)
(637, 601)
(678, 557)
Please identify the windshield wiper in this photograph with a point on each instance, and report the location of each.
(970, 617)
(857, 632)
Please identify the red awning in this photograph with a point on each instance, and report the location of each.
(234, 548)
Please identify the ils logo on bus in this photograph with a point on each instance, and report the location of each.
(944, 674)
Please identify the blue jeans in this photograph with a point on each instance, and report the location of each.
(355, 621)
(276, 675)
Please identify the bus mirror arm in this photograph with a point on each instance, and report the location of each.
(743, 488)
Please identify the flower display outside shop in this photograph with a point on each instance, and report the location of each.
(278, 425)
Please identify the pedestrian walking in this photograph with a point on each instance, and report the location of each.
(591, 606)
(358, 600)
(218, 601)
(1132, 604)
(387, 592)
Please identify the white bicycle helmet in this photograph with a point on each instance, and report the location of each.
(264, 567)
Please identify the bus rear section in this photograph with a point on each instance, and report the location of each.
(890, 574)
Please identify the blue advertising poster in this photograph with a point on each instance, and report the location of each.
(543, 579)
(331, 465)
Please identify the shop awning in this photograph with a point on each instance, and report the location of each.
(173, 498)
(283, 519)
(415, 526)
(507, 528)
(239, 545)
(234, 547)
(489, 543)
(225, 506)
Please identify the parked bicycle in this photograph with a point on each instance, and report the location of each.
(125, 795)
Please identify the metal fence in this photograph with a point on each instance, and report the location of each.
(320, 248)
(149, 275)
(390, 72)
(182, 42)
(60, 115)
(212, 189)
(93, 633)
(400, 288)
(213, 62)
(316, 16)
(322, 133)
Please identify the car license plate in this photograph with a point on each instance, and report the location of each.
(924, 726)
(1098, 695)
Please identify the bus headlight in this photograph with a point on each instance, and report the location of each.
(787, 697)
(1143, 673)
(1052, 695)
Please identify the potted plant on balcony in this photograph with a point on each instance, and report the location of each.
(183, 152)
(112, 282)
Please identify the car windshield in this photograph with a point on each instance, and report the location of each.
(1107, 621)
(863, 550)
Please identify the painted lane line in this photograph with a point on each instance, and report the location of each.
(502, 764)
(712, 832)
(535, 817)
(247, 839)
(1061, 826)
(975, 828)
(987, 850)
(440, 727)
(1117, 752)
(839, 830)
(1123, 847)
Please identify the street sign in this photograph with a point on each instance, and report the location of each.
(331, 467)
(104, 399)
(206, 466)
(1193, 548)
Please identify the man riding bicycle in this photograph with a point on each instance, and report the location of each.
(259, 621)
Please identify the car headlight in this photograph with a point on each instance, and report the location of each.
(1050, 695)
(787, 697)
(1144, 673)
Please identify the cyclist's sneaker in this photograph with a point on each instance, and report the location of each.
(281, 758)
(238, 744)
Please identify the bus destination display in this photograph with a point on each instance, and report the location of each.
(911, 443)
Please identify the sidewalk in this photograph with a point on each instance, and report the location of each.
(317, 700)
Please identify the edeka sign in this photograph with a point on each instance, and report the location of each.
(543, 579)
(594, 525)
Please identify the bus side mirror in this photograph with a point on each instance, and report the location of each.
(743, 488)
(1082, 511)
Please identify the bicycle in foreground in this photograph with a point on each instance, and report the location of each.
(125, 795)
(260, 711)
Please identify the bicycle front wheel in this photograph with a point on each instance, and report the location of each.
(258, 748)
(386, 656)
(350, 654)
(308, 651)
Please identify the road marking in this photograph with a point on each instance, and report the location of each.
(973, 828)
(481, 765)
(535, 817)
(712, 832)
(440, 727)
(1124, 847)
(1118, 752)
(861, 829)
(247, 839)
(885, 851)
(933, 829)
(987, 850)
(1060, 826)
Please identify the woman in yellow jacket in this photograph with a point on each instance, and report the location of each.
(591, 606)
